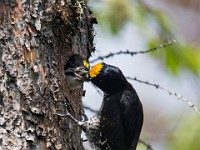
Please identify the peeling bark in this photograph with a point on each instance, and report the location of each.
(36, 38)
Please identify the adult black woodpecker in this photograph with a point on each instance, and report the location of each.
(121, 113)
(75, 70)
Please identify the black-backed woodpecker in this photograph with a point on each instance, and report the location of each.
(75, 70)
(121, 113)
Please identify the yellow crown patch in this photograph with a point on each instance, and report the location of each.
(95, 70)
(85, 63)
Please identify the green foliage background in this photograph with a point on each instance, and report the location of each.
(113, 15)
(187, 135)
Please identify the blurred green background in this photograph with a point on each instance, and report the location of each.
(155, 22)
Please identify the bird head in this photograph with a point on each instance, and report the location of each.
(76, 71)
(108, 78)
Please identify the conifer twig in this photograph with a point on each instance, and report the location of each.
(148, 146)
(90, 109)
(127, 52)
(178, 96)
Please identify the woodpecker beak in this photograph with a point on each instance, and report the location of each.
(79, 73)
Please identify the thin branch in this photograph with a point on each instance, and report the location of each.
(168, 43)
(148, 146)
(178, 96)
(97, 89)
(70, 116)
(90, 109)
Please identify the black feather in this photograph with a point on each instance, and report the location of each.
(121, 112)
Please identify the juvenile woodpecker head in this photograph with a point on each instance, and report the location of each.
(76, 71)
(108, 78)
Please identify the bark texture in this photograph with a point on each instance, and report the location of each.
(36, 39)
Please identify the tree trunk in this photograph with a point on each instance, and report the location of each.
(36, 39)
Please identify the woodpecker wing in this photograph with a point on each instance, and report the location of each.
(111, 128)
(121, 119)
(132, 115)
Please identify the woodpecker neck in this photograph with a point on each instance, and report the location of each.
(110, 79)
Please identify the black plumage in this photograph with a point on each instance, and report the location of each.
(121, 112)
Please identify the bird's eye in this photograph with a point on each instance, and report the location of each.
(81, 70)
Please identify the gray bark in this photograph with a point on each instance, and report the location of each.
(36, 38)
